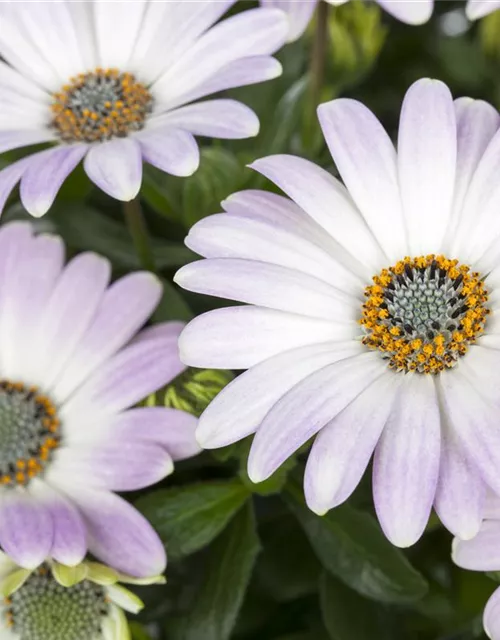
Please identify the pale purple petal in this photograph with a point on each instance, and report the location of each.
(239, 408)
(460, 491)
(129, 376)
(410, 11)
(10, 176)
(406, 462)
(69, 545)
(116, 167)
(212, 118)
(476, 9)
(170, 149)
(240, 337)
(250, 33)
(15, 139)
(26, 529)
(118, 534)
(491, 616)
(482, 553)
(68, 313)
(366, 159)
(45, 175)
(269, 286)
(328, 203)
(299, 14)
(117, 465)
(427, 154)
(277, 242)
(477, 123)
(343, 448)
(307, 408)
(123, 310)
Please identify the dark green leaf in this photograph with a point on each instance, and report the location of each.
(231, 561)
(351, 546)
(188, 518)
(349, 616)
(138, 632)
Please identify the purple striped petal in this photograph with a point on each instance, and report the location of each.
(170, 149)
(118, 534)
(45, 174)
(26, 528)
(116, 167)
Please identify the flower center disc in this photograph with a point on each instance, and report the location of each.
(29, 432)
(100, 105)
(424, 312)
(42, 609)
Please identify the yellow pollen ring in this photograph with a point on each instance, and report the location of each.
(438, 351)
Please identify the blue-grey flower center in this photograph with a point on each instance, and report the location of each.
(29, 433)
(42, 609)
(100, 105)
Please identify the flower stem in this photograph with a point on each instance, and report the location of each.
(317, 64)
(138, 230)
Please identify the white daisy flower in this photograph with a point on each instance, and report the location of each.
(118, 83)
(372, 313)
(55, 602)
(72, 370)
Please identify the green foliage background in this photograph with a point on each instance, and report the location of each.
(250, 561)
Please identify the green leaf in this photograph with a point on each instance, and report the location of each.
(87, 229)
(188, 518)
(219, 175)
(138, 632)
(347, 615)
(230, 565)
(172, 305)
(351, 546)
(162, 193)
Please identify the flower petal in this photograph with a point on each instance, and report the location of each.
(170, 149)
(45, 175)
(239, 408)
(406, 462)
(427, 154)
(412, 12)
(299, 13)
(15, 139)
(124, 308)
(212, 118)
(482, 553)
(343, 448)
(491, 616)
(240, 337)
(116, 167)
(117, 26)
(26, 529)
(10, 176)
(307, 408)
(118, 534)
(476, 9)
(366, 159)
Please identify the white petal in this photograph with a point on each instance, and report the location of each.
(117, 25)
(240, 337)
(476, 9)
(116, 167)
(406, 462)
(427, 152)
(299, 13)
(409, 11)
(482, 553)
(170, 149)
(491, 616)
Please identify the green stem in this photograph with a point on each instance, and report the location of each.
(316, 72)
(138, 230)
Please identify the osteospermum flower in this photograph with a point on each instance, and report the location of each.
(116, 83)
(482, 553)
(55, 602)
(479, 8)
(300, 12)
(372, 312)
(70, 368)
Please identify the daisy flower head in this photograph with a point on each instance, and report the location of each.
(71, 366)
(118, 83)
(476, 9)
(371, 320)
(56, 602)
(481, 553)
(300, 12)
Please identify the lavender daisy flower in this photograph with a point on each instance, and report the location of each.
(71, 369)
(300, 12)
(55, 602)
(117, 83)
(482, 553)
(372, 313)
(479, 8)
